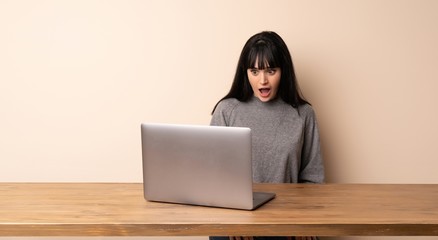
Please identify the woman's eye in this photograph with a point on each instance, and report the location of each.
(271, 71)
(254, 72)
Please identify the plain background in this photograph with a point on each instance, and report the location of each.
(78, 77)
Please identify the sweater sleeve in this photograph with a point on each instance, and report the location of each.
(312, 166)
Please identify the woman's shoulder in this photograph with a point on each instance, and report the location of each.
(227, 104)
(223, 111)
(306, 111)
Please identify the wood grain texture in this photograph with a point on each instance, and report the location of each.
(118, 209)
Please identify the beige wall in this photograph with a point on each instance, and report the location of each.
(78, 77)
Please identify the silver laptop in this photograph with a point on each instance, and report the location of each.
(199, 165)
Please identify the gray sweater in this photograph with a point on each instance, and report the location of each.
(285, 141)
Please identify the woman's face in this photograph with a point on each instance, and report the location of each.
(264, 82)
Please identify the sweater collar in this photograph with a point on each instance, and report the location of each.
(272, 102)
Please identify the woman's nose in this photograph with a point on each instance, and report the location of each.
(263, 79)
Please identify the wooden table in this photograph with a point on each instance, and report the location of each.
(118, 209)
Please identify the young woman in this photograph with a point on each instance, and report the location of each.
(265, 97)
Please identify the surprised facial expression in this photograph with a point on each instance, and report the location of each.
(264, 82)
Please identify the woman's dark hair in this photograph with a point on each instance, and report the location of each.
(271, 51)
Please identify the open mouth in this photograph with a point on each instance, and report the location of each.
(264, 92)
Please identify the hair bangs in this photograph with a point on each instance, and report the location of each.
(264, 55)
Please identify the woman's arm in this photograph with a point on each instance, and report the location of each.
(312, 166)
